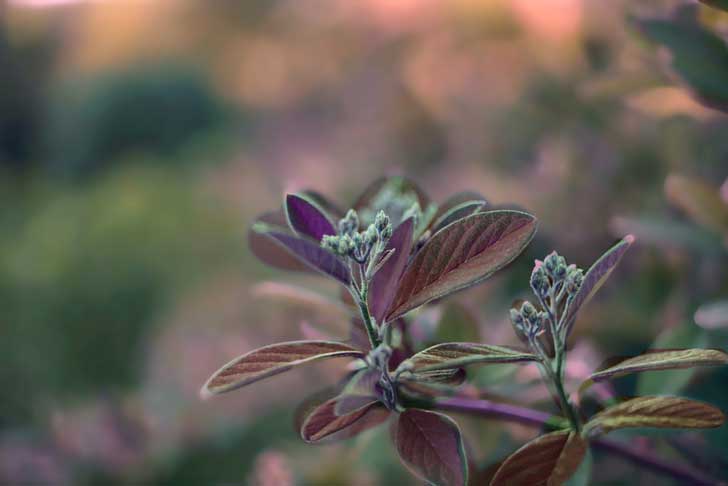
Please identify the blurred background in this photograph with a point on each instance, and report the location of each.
(138, 139)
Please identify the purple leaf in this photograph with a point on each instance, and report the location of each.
(323, 423)
(430, 445)
(310, 253)
(468, 252)
(306, 218)
(272, 360)
(273, 255)
(595, 277)
(547, 460)
(384, 283)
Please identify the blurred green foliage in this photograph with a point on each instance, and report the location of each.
(83, 274)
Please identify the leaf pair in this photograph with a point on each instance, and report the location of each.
(428, 443)
(290, 239)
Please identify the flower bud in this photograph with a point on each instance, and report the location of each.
(346, 245)
(574, 279)
(540, 282)
(516, 318)
(528, 310)
(330, 242)
(371, 236)
(381, 221)
(349, 224)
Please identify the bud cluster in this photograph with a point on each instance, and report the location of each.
(554, 277)
(528, 320)
(355, 244)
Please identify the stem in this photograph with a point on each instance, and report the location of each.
(362, 301)
(527, 416)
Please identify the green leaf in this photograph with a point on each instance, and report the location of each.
(456, 355)
(464, 254)
(430, 445)
(698, 57)
(272, 360)
(657, 412)
(548, 460)
(719, 4)
(663, 360)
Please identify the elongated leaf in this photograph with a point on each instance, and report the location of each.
(467, 253)
(596, 276)
(460, 211)
(657, 412)
(306, 218)
(272, 360)
(664, 360)
(323, 422)
(384, 283)
(719, 4)
(548, 460)
(430, 445)
(273, 254)
(456, 355)
(309, 252)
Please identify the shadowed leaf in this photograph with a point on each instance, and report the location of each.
(309, 252)
(384, 283)
(460, 211)
(719, 4)
(272, 360)
(430, 445)
(358, 391)
(323, 423)
(273, 254)
(548, 460)
(306, 218)
(456, 355)
(467, 253)
(595, 278)
(397, 185)
(329, 207)
(698, 57)
(656, 412)
(664, 360)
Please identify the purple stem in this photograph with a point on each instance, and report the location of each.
(527, 416)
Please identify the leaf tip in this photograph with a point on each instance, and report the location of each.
(629, 239)
(205, 393)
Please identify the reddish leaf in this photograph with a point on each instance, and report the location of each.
(273, 254)
(596, 276)
(430, 445)
(323, 422)
(384, 283)
(656, 412)
(272, 360)
(311, 253)
(467, 253)
(324, 203)
(548, 460)
(306, 218)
